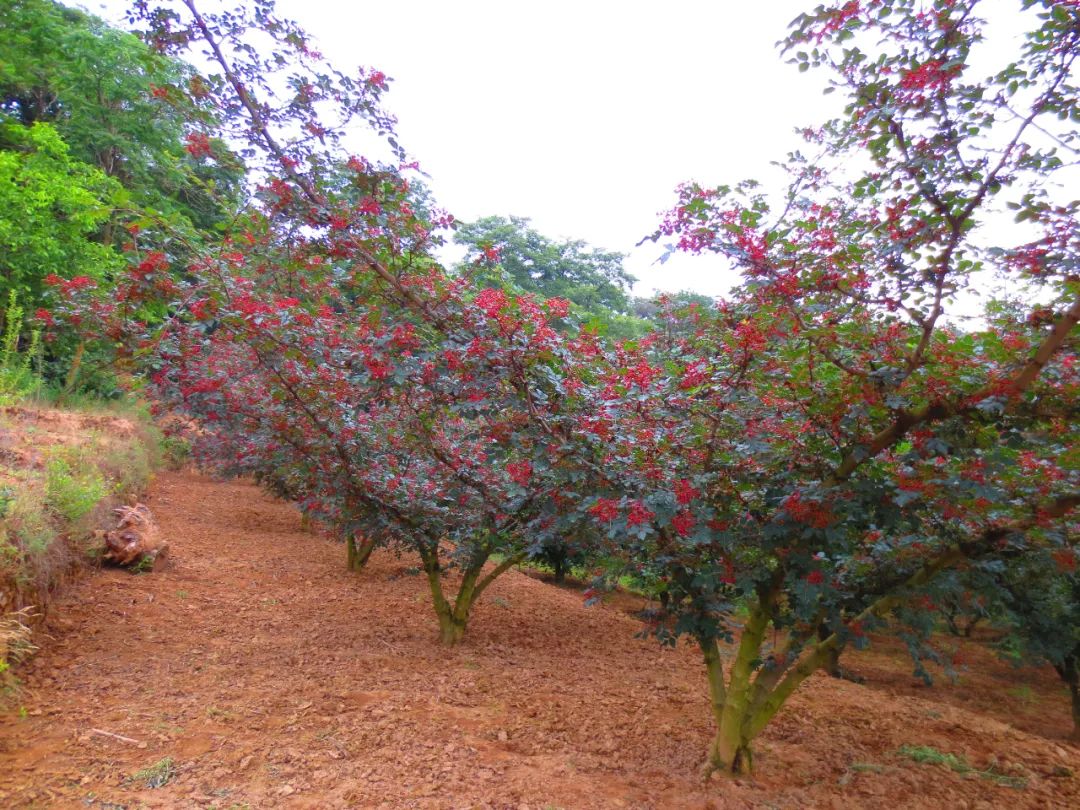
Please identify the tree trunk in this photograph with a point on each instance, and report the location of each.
(1069, 670)
(734, 709)
(743, 706)
(730, 749)
(451, 631)
(832, 656)
(758, 686)
(76, 366)
(730, 753)
(831, 659)
(1074, 688)
(453, 618)
(358, 553)
(560, 568)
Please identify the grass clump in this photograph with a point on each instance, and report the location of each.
(866, 767)
(157, 775)
(926, 754)
(20, 371)
(73, 485)
(15, 643)
(175, 451)
(129, 466)
(24, 526)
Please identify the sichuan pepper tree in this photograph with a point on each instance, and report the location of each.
(1030, 602)
(1040, 602)
(409, 437)
(835, 434)
(322, 350)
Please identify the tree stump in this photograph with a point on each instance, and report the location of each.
(136, 541)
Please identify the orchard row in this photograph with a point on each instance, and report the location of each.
(834, 445)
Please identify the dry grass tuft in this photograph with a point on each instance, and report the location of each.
(15, 634)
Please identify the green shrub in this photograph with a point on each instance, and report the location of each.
(7, 497)
(176, 451)
(73, 488)
(19, 371)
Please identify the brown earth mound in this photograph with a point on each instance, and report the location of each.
(257, 672)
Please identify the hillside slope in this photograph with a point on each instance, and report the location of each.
(61, 474)
(272, 677)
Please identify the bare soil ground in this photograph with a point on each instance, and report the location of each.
(272, 677)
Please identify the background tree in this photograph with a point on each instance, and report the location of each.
(592, 279)
(1033, 603)
(325, 352)
(1042, 608)
(117, 104)
(1030, 603)
(673, 312)
(109, 150)
(662, 305)
(52, 208)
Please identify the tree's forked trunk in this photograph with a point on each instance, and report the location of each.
(730, 751)
(358, 553)
(759, 684)
(454, 617)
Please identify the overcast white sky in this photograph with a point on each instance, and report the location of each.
(583, 115)
(580, 114)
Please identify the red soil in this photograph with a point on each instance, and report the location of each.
(275, 678)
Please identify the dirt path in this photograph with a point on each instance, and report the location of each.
(272, 677)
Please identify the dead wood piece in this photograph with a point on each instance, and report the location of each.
(136, 540)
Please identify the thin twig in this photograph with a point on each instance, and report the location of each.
(120, 737)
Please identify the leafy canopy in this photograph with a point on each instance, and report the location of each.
(525, 260)
(111, 98)
(52, 208)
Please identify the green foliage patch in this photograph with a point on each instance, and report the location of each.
(20, 371)
(154, 776)
(73, 486)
